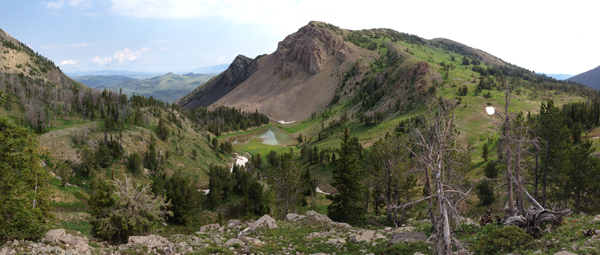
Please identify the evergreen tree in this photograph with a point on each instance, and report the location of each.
(64, 172)
(346, 205)
(485, 152)
(186, 201)
(24, 203)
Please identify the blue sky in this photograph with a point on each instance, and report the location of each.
(180, 35)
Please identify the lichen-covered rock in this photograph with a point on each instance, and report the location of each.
(233, 241)
(150, 241)
(408, 237)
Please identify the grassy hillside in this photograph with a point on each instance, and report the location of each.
(166, 88)
(403, 99)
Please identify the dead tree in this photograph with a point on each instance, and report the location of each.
(434, 141)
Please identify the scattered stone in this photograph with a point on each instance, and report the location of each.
(418, 253)
(408, 237)
(233, 241)
(253, 241)
(336, 241)
(387, 229)
(538, 252)
(208, 227)
(294, 217)
(150, 241)
(565, 253)
(379, 236)
(54, 235)
(596, 218)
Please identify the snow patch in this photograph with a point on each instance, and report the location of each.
(490, 110)
(239, 160)
(284, 122)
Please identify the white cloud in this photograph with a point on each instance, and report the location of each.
(56, 5)
(82, 44)
(83, 4)
(102, 61)
(123, 56)
(68, 62)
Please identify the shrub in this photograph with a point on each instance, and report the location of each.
(125, 207)
(64, 171)
(135, 163)
(502, 241)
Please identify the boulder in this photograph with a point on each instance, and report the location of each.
(208, 227)
(150, 241)
(565, 253)
(266, 220)
(234, 223)
(233, 241)
(318, 217)
(341, 224)
(336, 241)
(294, 217)
(253, 241)
(54, 235)
(596, 218)
(365, 236)
(407, 237)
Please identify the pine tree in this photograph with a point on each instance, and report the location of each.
(346, 204)
(24, 203)
(486, 151)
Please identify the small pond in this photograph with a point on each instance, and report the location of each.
(269, 136)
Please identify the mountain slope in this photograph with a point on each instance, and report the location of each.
(291, 83)
(93, 81)
(590, 78)
(167, 88)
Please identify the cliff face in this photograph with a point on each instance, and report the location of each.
(300, 77)
(240, 69)
(310, 48)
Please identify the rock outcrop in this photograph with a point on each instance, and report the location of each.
(238, 71)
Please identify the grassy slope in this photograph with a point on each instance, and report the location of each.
(473, 123)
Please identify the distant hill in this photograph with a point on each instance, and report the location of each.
(560, 77)
(130, 74)
(168, 87)
(590, 78)
(94, 81)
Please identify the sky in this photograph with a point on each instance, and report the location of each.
(557, 37)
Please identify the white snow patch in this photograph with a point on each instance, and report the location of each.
(322, 192)
(490, 110)
(206, 191)
(239, 160)
(284, 122)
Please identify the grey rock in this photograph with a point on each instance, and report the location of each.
(318, 217)
(408, 237)
(336, 241)
(233, 241)
(565, 253)
(418, 253)
(234, 223)
(150, 241)
(54, 235)
(266, 220)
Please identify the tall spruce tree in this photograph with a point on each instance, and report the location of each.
(346, 205)
(24, 202)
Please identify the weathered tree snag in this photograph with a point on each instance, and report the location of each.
(535, 218)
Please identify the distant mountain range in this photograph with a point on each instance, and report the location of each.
(94, 81)
(130, 74)
(167, 88)
(590, 78)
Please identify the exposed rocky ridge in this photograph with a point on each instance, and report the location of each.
(590, 78)
(300, 77)
(240, 69)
